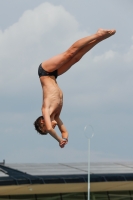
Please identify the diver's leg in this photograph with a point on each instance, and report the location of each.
(76, 58)
(58, 61)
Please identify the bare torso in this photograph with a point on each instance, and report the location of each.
(52, 95)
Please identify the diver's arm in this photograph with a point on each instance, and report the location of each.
(49, 128)
(62, 129)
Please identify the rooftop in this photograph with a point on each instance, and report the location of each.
(73, 168)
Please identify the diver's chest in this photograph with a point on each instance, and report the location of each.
(57, 93)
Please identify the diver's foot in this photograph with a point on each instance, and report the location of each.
(103, 34)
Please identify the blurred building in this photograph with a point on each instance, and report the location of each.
(66, 181)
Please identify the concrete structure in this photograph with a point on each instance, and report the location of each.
(66, 181)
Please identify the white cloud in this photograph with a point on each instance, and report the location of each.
(29, 41)
(107, 56)
(128, 57)
(25, 44)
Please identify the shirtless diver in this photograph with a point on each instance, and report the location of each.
(52, 94)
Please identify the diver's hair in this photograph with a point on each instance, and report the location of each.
(37, 125)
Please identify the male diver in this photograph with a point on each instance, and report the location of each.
(48, 71)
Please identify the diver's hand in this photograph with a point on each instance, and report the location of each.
(63, 142)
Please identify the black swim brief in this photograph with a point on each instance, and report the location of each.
(42, 72)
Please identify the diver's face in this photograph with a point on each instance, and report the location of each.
(43, 127)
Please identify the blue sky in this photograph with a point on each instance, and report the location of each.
(97, 90)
